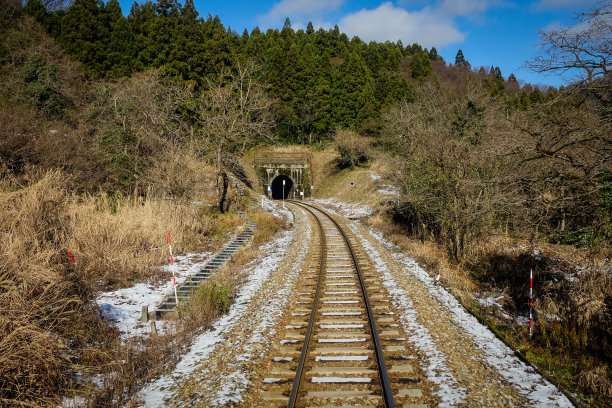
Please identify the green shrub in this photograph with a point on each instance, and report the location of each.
(214, 297)
(42, 86)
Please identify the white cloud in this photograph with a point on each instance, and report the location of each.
(299, 10)
(427, 27)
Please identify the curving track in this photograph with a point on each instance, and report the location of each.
(343, 345)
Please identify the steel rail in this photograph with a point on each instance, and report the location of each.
(382, 369)
(299, 374)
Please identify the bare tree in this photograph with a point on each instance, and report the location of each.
(9, 11)
(235, 114)
(565, 143)
(582, 49)
(451, 150)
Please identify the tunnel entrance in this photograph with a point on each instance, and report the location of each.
(295, 168)
(277, 187)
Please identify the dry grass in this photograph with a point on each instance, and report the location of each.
(597, 382)
(267, 226)
(45, 303)
(430, 255)
(119, 240)
(50, 325)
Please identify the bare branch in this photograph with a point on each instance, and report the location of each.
(582, 49)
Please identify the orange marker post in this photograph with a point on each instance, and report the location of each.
(71, 258)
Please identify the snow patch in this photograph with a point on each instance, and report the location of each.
(276, 209)
(348, 210)
(124, 306)
(388, 189)
(493, 301)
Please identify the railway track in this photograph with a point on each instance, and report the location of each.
(343, 344)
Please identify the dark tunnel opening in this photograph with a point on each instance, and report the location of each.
(278, 192)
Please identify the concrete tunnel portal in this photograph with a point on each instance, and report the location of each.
(278, 191)
(295, 168)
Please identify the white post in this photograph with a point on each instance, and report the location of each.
(283, 193)
(172, 267)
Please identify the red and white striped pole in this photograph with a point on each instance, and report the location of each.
(172, 267)
(530, 297)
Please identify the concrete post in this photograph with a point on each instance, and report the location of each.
(144, 317)
(153, 328)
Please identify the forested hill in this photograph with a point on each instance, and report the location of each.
(322, 79)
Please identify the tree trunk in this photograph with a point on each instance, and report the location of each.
(223, 191)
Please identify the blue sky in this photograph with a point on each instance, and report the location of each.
(503, 33)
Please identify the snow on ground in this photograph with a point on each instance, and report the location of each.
(124, 306)
(348, 210)
(524, 378)
(260, 269)
(435, 366)
(388, 189)
(276, 208)
(492, 300)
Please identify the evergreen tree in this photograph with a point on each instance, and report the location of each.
(216, 53)
(353, 99)
(322, 95)
(310, 28)
(420, 66)
(433, 54)
(36, 9)
(85, 33)
(306, 80)
(121, 47)
(142, 19)
(497, 73)
(459, 59)
(495, 82)
(254, 47)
